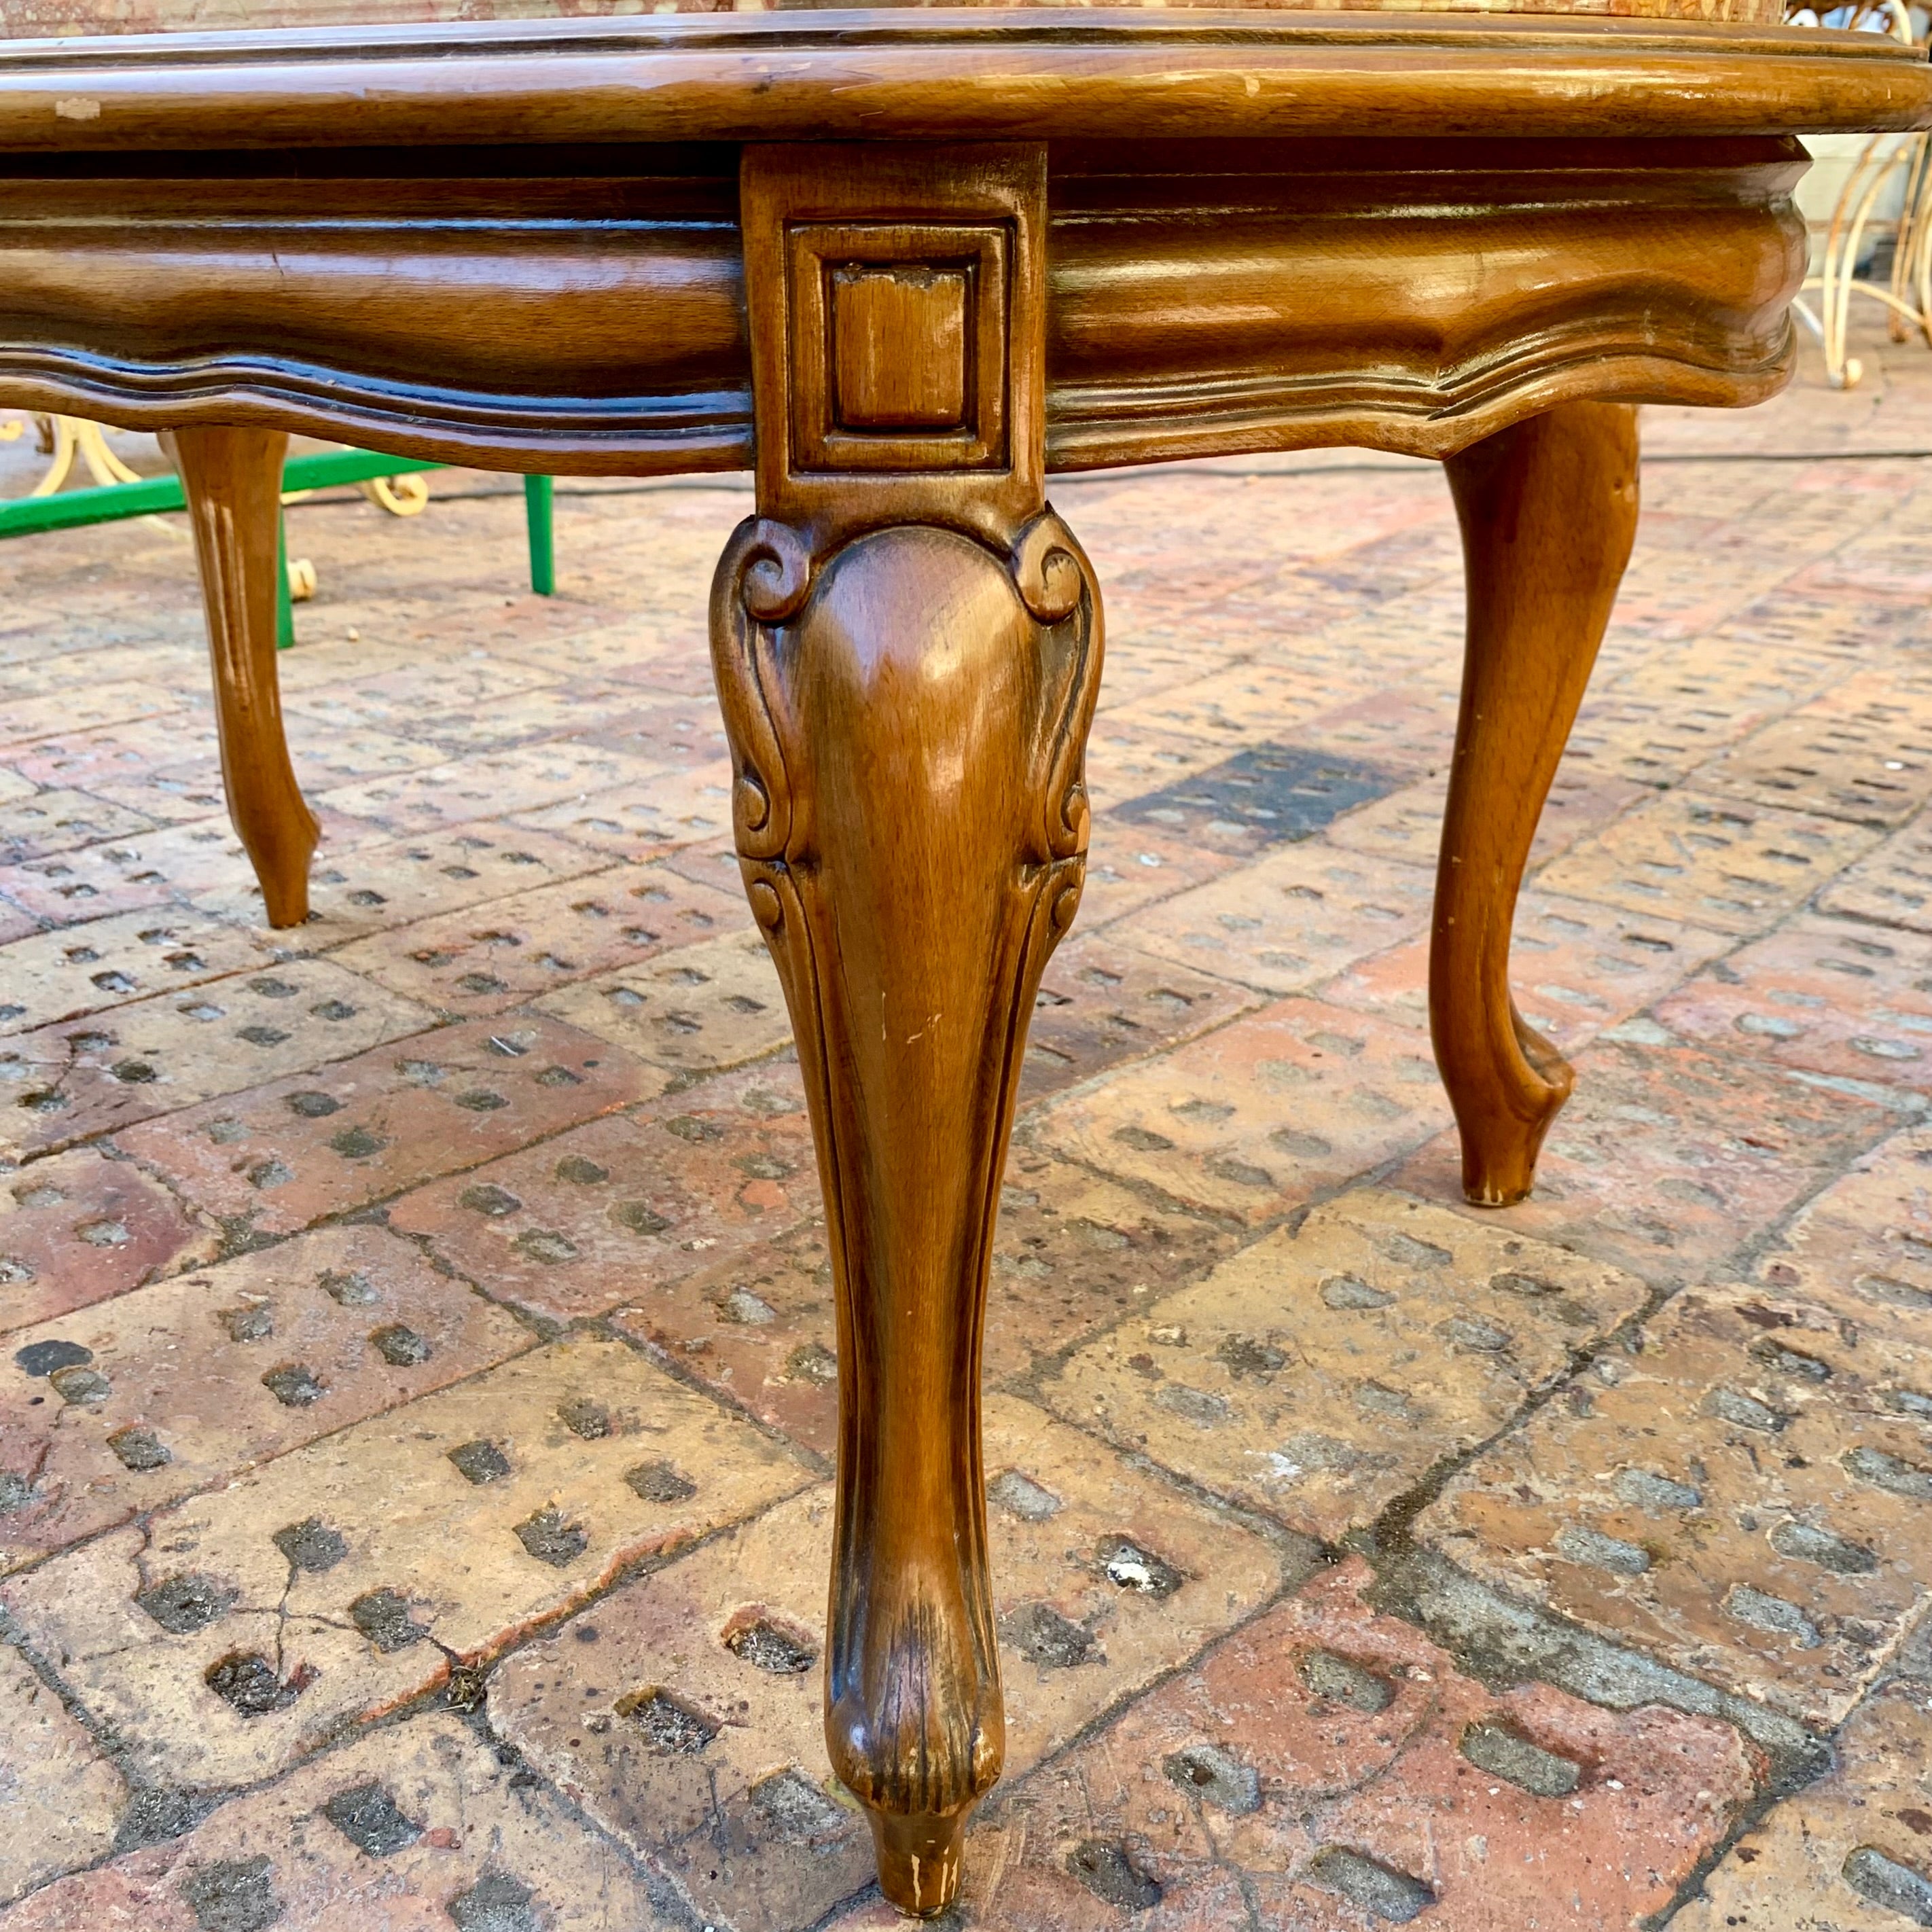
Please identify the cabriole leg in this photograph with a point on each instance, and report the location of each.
(232, 479)
(1548, 510)
(907, 647)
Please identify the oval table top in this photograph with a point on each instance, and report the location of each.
(1270, 227)
(898, 73)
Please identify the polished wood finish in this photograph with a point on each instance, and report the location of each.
(50, 17)
(946, 73)
(232, 479)
(907, 647)
(1549, 512)
(1059, 241)
(1441, 290)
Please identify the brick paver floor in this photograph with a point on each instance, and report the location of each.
(419, 1370)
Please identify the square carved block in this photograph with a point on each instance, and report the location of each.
(898, 345)
(897, 301)
(876, 310)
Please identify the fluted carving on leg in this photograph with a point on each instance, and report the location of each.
(908, 717)
(232, 479)
(1548, 511)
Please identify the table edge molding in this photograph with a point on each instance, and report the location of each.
(953, 73)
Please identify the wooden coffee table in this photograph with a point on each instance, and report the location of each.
(904, 263)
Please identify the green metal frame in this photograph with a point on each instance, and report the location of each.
(155, 495)
(539, 513)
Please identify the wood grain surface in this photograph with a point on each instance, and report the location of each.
(232, 480)
(22, 18)
(1202, 297)
(907, 645)
(1549, 512)
(953, 73)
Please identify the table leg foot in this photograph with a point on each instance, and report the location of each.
(1548, 510)
(918, 1858)
(232, 480)
(907, 713)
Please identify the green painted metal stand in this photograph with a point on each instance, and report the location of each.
(69, 509)
(539, 507)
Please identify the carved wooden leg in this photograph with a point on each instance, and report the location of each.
(907, 647)
(1548, 510)
(232, 478)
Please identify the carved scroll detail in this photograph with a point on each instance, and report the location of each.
(908, 717)
(907, 647)
(1052, 574)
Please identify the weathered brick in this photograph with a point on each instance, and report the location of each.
(1718, 862)
(1238, 1793)
(1891, 884)
(539, 712)
(1645, 735)
(1746, 1493)
(1407, 729)
(59, 1796)
(1101, 1002)
(62, 975)
(1667, 1160)
(483, 958)
(1821, 994)
(1249, 702)
(1287, 923)
(659, 651)
(1853, 1852)
(1128, 757)
(490, 785)
(81, 704)
(675, 1740)
(220, 1659)
(420, 1825)
(1674, 596)
(695, 1008)
(1408, 824)
(1321, 1373)
(46, 822)
(177, 1399)
(80, 1227)
(1254, 1118)
(1129, 866)
(758, 1328)
(619, 1208)
(1861, 752)
(1862, 1246)
(433, 688)
(1576, 968)
(182, 781)
(1071, 1254)
(177, 867)
(279, 1156)
(1729, 684)
(654, 812)
(65, 1082)
(15, 922)
(1072, 1251)
(378, 884)
(675, 730)
(117, 753)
